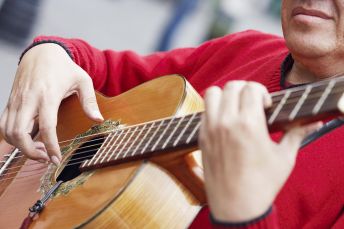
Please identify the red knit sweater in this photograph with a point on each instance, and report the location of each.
(313, 196)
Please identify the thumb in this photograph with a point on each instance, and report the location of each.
(88, 99)
(293, 138)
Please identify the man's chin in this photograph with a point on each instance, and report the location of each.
(311, 44)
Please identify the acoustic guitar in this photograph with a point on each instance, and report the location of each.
(137, 169)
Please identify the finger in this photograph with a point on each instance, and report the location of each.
(254, 98)
(40, 153)
(3, 120)
(212, 103)
(88, 99)
(292, 139)
(10, 123)
(47, 129)
(230, 99)
(23, 127)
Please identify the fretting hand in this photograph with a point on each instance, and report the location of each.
(45, 76)
(244, 168)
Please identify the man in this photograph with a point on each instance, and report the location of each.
(251, 181)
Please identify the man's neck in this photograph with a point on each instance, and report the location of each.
(312, 71)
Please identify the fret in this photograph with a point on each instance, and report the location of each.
(279, 107)
(115, 136)
(123, 148)
(324, 96)
(331, 103)
(174, 130)
(123, 144)
(96, 157)
(144, 137)
(300, 102)
(121, 137)
(137, 137)
(193, 132)
(163, 133)
(185, 128)
(152, 137)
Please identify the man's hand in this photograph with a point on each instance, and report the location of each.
(244, 168)
(45, 76)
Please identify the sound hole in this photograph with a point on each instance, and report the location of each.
(84, 152)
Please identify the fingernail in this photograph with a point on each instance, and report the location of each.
(97, 114)
(55, 160)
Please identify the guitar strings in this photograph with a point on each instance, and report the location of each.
(289, 102)
(196, 118)
(99, 134)
(113, 131)
(274, 95)
(67, 164)
(71, 160)
(105, 148)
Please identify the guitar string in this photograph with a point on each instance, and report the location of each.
(120, 146)
(124, 149)
(273, 94)
(118, 135)
(81, 158)
(156, 121)
(67, 164)
(196, 118)
(78, 159)
(289, 102)
(113, 131)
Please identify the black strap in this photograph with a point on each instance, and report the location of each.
(325, 129)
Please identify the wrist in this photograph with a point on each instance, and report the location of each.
(46, 44)
(243, 223)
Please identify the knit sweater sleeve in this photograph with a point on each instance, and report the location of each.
(114, 72)
(212, 63)
(268, 220)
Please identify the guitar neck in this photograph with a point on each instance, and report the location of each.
(300, 104)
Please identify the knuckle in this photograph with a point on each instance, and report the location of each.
(234, 84)
(17, 133)
(223, 127)
(256, 87)
(211, 91)
(25, 98)
(85, 79)
(46, 129)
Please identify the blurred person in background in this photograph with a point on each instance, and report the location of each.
(251, 180)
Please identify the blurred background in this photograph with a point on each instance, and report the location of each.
(141, 25)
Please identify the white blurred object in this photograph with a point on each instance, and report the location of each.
(251, 14)
(238, 9)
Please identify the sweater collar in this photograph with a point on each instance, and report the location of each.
(286, 66)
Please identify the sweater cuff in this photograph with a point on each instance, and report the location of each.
(55, 40)
(267, 220)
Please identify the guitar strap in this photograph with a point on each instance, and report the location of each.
(325, 129)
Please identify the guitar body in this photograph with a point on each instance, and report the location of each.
(165, 191)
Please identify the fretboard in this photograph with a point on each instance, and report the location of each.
(300, 104)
